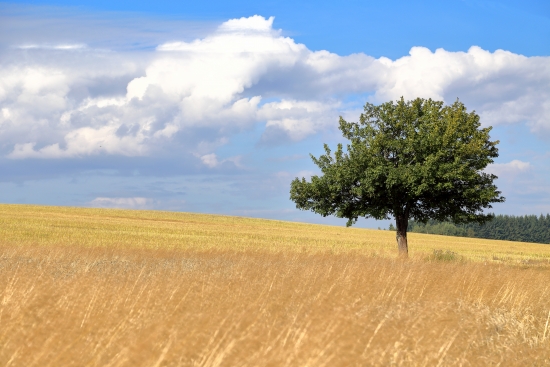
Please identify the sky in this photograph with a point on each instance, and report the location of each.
(215, 106)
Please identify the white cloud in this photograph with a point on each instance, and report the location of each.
(511, 168)
(211, 161)
(298, 119)
(75, 46)
(196, 94)
(123, 203)
(255, 23)
(502, 86)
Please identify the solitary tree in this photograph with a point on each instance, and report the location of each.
(416, 160)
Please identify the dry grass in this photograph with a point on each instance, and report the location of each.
(65, 226)
(103, 307)
(120, 288)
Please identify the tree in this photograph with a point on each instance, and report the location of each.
(417, 160)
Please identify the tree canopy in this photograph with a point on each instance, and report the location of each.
(418, 159)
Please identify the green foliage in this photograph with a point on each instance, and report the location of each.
(528, 228)
(440, 228)
(417, 159)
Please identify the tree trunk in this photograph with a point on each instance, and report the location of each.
(402, 223)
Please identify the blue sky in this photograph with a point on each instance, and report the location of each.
(215, 106)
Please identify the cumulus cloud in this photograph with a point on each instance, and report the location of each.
(211, 161)
(511, 168)
(69, 100)
(294, 120)
(502, 86)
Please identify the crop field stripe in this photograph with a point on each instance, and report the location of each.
(91, 227)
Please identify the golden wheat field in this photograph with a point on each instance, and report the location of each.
(97, 287)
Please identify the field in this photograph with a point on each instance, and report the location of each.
(94, 287)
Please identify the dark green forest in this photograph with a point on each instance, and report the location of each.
(529, 228)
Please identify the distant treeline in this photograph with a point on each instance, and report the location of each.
(529, 228)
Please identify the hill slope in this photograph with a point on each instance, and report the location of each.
(94, 287)
(67, 226)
